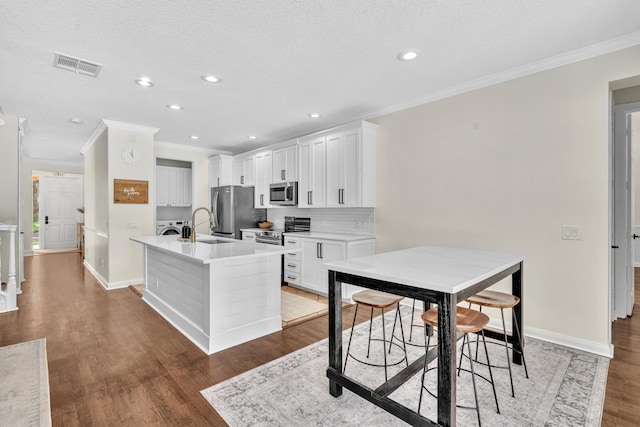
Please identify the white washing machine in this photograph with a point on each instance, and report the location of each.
(170, 227)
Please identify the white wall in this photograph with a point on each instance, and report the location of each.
(503, 168)
(126, 263)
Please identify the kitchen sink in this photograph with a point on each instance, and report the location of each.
(213, 242)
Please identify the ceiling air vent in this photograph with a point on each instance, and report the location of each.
(77, 65)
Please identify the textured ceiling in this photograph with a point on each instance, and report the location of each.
(278, 60)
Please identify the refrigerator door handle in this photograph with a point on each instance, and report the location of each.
(215, 214)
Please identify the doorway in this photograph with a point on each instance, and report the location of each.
(58, 210)
(625, 185)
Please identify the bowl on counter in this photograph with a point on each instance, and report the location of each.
(265, 224)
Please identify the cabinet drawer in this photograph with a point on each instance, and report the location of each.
(291, 266)
(292, 257)
(292, 278)
(291, 242)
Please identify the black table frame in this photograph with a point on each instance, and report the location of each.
(446, 344)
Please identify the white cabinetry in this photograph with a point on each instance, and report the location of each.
(263, 179)
(316, 252)
(285, 164)
(311, 183)
(220, 170)
(292, 261)
(337, 167)
(244, 171)
(173, 186)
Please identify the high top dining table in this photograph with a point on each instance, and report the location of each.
(441, 275)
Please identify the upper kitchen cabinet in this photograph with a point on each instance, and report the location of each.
(337, 167)
(285, 163)
(263, 179)
(312, 178)
(173, 186)
(220, 170)
(244, 171)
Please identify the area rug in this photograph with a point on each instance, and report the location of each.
(296, 308)
(24, 385)
(566, 388)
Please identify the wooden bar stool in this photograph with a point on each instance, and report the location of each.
(467, 321)
(501, 300)
(376, 299)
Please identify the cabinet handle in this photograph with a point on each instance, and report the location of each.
(262, 200)
(241, 179)
(282, 174)
(321, 250)
(293, 254)
(291, 265)
(291, 241)
(317, 250)
(291, 278)
(218, 183)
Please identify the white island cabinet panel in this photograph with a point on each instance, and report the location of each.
(218, 295)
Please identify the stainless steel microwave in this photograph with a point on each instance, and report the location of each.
(284, 194)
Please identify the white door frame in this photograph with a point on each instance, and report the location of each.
(622, 207)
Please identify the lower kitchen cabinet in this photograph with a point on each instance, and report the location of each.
(316, 252)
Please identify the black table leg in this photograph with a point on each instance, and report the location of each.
(517, 314)
(447, 360)
(335, 331)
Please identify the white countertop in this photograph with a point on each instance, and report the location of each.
(208, 253)
(441, 269)
(331, 236)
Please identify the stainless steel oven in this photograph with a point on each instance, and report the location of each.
(270, 237)
(284, 194)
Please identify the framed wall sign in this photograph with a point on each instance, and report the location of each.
(130, 192)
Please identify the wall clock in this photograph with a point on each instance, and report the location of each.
(131, 155)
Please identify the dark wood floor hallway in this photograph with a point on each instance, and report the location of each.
(114, 362)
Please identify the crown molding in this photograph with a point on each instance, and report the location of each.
(104, 124)
(567, 58)
(205, 150)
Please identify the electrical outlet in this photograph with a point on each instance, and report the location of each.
(571, 232)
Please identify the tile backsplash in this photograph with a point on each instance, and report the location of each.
(327, 220)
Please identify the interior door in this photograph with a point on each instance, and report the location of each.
(62, 198)
(622, 248)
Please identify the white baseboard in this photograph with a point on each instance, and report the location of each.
(544, 335)
(110, 285)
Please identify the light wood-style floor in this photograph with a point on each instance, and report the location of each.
(114, 361)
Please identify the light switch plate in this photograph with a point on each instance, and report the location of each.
(571, 232)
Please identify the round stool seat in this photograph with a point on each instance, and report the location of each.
(467, 320)
(376, 299)
(495, 299)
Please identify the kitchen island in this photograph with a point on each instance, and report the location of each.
(218, 292)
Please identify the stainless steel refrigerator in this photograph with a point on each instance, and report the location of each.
(232, 207)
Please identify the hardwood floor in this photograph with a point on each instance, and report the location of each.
(114, 361)
(622, 400)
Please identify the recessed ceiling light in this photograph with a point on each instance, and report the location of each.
(408, 55)
(252, 137)
(76, 120)
(314, 115)
(174, 107)
(144, 82)
(194, 137)
(210, 78)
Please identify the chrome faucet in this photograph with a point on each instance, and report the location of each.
(193, 222)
